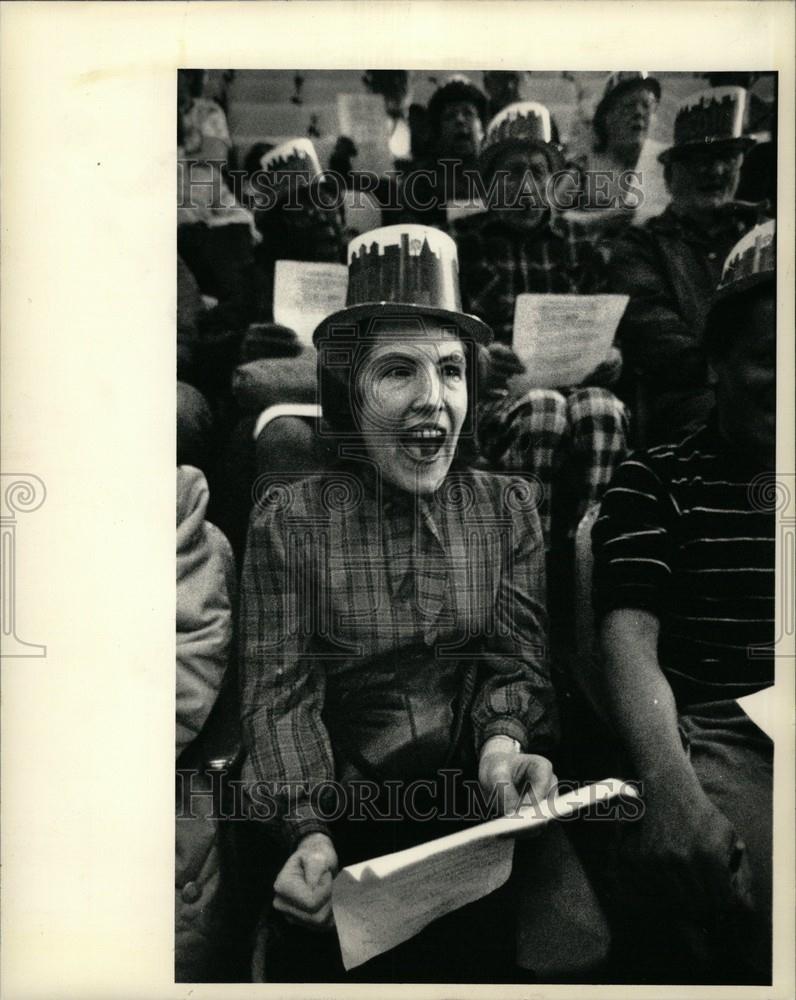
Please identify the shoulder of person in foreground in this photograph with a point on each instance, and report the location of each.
(205, 592)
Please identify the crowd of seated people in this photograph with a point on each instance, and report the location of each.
(420, 415)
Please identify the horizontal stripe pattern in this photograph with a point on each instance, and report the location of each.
(679, 536)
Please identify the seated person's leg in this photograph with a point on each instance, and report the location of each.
(533, 443)
(194, 428)
(598, 427)
(733, 760)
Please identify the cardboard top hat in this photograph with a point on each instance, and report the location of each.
(524, 123)
(294, 158)
(401, 272)
(752, 261)
(619, 83)
(710, 119)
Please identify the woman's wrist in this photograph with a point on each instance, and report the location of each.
(501, 744)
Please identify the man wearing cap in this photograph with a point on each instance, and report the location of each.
(623, 168)
(385, 638)
(670, 266)
(520, 244)
(455, 119)
(684, 585)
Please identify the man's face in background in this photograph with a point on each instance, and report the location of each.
(460, 131)
(314, 229)
(703, 180)
(630, 116)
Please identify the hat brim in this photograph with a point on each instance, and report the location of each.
(741, 144)
(471, 326)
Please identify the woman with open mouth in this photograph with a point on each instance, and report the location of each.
(393, 632)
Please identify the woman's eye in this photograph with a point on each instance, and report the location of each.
(453, 372)
(398, 371)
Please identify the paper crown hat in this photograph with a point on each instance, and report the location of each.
(523, 123)
(619, 82)
(710, 118)
(752, 261)
(403, 271)
(290, 158)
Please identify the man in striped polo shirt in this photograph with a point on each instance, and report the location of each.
(684, 589)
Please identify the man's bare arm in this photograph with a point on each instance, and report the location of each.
(688, 842)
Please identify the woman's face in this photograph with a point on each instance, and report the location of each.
(411, 405)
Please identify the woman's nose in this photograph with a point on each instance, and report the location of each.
(430, 390)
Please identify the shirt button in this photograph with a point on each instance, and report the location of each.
(712, 255)
(191, 892)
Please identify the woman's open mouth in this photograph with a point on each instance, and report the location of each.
(424, 444)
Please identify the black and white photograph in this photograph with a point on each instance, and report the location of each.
(466, 384)
(476, 530)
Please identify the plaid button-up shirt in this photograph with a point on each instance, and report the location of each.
(498, 262)
(340, 574)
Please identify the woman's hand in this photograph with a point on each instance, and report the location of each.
(514, 776)
(303, 888)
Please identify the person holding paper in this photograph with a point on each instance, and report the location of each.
(393, 619)
(684, 583)
(521, 245)
(670, 266)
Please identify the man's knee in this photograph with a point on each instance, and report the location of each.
(597, 404)
(541, 417)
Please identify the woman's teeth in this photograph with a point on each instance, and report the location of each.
(424, 443)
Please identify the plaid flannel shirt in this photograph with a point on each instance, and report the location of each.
(498, 262)
(337, 577)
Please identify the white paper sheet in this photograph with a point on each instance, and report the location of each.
(562, 338)
(305, 293)
(761, 709)
(380, 903)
